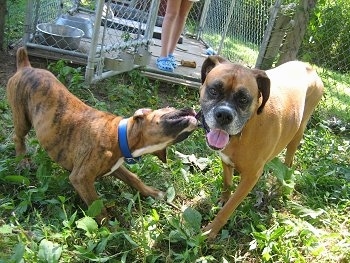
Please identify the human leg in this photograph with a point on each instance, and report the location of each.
(173, 24)
(179, 24)
(169, 26)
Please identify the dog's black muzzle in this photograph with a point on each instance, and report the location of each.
(202, 122)
(223, 115)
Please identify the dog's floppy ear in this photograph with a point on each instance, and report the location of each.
(161, 154)
(209, 64)
(138, 115)
(141, 112)
(264, 87)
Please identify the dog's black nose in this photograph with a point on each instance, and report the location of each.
(223, 115)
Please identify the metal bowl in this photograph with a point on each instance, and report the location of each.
(79, 22)
(61, 36)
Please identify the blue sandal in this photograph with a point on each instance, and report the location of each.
(172, 60)
(163, 63)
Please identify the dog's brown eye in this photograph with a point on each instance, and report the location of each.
(215, 88)
(243, 100)
(213, 92)
(242, 97)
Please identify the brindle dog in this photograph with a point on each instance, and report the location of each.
(82, 139)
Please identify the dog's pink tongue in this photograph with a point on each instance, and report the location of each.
(218, 138)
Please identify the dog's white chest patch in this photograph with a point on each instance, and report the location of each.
(149, 149)
(116, 166)
(226, 159)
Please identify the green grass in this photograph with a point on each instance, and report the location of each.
(15, 21)
(337, 94)
(298, 215)
(234, 49)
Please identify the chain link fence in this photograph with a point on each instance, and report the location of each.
(235, 29)
(123, 22)
(14, 24)
(327, 44)
(41, 27)
(267, 33)
(327, 41)
(110, 37)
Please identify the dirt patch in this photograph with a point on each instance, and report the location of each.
(7, 66)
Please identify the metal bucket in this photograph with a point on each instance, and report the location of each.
(61, 36)
(79, 22)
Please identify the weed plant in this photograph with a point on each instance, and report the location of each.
(292, 215)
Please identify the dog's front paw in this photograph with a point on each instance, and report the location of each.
(153, 192)
(159, 195)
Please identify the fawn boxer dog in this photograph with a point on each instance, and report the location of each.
(250, 116)
(88, 142)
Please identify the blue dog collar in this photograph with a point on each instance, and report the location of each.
(123, 142)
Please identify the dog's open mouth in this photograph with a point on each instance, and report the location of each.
(180, 124)
(217, 139)
(184, 115)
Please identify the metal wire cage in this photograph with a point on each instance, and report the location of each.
(109, 37)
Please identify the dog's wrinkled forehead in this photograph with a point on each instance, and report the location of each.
(152, 115)
(229, 76)
(228, 71)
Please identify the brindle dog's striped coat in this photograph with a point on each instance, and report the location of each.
(82, 139)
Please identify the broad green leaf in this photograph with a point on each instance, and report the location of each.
(19, 252)
(17, 179)
(304, 211)
(175, 236)
(170, 194)
(49, 252)
(260, 236)
(95, 208)
(102, 245)
(266, 253)
(277, 233)
(124, 257)
(193, 218)
(88, 224)
(5, 229)
(155, 215)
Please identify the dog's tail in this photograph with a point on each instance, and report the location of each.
(22, 58)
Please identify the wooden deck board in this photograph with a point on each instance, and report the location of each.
(190, 50)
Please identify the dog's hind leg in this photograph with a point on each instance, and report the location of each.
(313, 96)
(293, 146)
(21, 122)
(21, 128)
